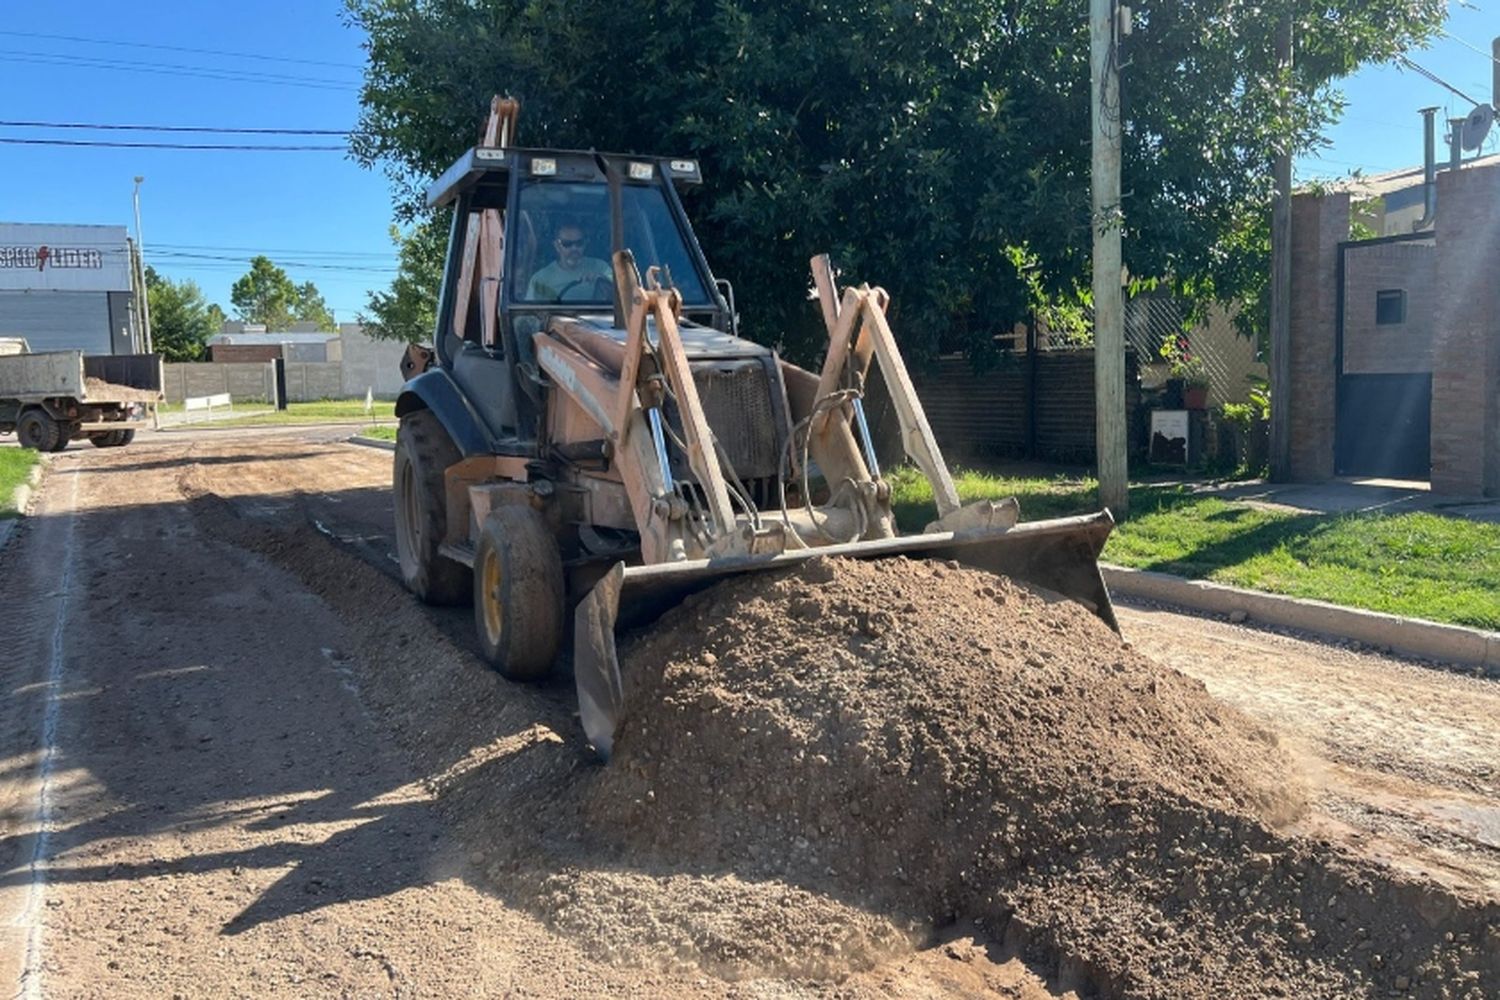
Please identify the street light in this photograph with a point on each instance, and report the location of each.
(140, 258)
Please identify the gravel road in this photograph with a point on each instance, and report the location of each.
(203, 793)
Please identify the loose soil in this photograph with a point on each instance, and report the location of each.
(852, 780)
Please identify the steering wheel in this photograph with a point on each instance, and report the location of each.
(603, 287)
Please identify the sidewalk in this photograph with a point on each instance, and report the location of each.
(1352, 495)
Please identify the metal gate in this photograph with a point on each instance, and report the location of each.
(1383, 357)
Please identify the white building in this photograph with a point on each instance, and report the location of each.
(67, 287)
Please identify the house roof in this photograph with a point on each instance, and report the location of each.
(1392, 181)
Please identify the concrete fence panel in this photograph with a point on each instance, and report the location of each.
(249, 381)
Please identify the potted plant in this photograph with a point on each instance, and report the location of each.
(1187, 370)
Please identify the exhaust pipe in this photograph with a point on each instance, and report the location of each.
(1429, 168)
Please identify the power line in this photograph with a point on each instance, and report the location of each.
(1473, 48)
(240, 147)
(99, 126)
(174, 69)
(1429, 74)
(180, 48)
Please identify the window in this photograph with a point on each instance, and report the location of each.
(1390, 307)
(562, 249)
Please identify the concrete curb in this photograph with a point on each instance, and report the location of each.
(1409, 636)
(372, 443)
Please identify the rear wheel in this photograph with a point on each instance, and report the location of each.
(423, 452)
(38, 430)
(111, 439)
(518, 593)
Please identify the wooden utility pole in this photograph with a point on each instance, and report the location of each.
(1109, 304)
(1281, 284)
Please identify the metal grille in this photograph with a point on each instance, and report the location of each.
(738, 403)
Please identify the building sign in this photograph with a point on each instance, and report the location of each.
(35, 257)
(43, 257)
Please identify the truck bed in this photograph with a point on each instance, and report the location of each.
(71, 375)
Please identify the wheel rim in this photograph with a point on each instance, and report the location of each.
(489, 597)
(31, 434)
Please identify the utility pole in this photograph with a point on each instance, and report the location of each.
(140, 251)
(1109, 304)
(1281, 280)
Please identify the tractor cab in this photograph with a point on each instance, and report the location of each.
(535, 231)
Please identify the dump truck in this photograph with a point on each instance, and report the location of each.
(52, 398)
(589, 439)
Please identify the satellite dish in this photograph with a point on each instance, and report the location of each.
(1477, 126)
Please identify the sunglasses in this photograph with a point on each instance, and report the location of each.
(571, 244)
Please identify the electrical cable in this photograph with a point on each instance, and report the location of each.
(172, 69)
(181, 128)
(179, 48)
(1429, 74)
(1473, 48)
(210, 146)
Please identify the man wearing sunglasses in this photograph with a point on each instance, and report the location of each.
(573, 277)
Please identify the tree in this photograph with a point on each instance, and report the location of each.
(940, 150)
(265, 294)
(408, 309)
(181, 321)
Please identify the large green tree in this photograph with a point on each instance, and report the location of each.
(181, 319)
(266, 294)
(408, 309)
(937, 148)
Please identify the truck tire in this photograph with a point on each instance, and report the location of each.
(111, 439)
(423, 452)
(65, 433)
(518, 593)
(37, 430)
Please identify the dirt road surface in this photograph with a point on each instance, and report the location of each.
(217, 776)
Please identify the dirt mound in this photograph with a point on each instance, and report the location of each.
(939, 743)
(818, 770)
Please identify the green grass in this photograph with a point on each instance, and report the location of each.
(325, 410)
(1423, 565)
(386, 432)
(15, 467)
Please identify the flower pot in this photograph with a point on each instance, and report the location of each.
(1195, 397)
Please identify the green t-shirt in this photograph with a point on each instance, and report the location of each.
(548, 284)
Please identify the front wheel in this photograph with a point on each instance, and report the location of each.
(423, 453)
(518, 593)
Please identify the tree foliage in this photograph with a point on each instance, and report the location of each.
(940, 149)
(266, 294)
(181, 320)
(408, 309)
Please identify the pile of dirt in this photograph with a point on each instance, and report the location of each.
(821, 769)
(939, 743)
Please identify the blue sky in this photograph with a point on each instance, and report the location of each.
(319, 214)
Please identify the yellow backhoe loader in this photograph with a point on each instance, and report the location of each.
(589, 437)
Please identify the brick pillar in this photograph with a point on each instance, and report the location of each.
(1319, 225)
(1466, 334)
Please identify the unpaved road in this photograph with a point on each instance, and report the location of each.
(205, 789)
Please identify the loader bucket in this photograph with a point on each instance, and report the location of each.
(1059, 555)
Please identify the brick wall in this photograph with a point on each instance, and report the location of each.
(1370, 348)
(1466, 341)
(986, 415)
(1319, 224)
(235, 353)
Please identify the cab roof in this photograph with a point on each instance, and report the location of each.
(490, 166)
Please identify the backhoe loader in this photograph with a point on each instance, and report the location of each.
(589, 440)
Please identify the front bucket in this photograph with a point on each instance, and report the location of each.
(1060, 555)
